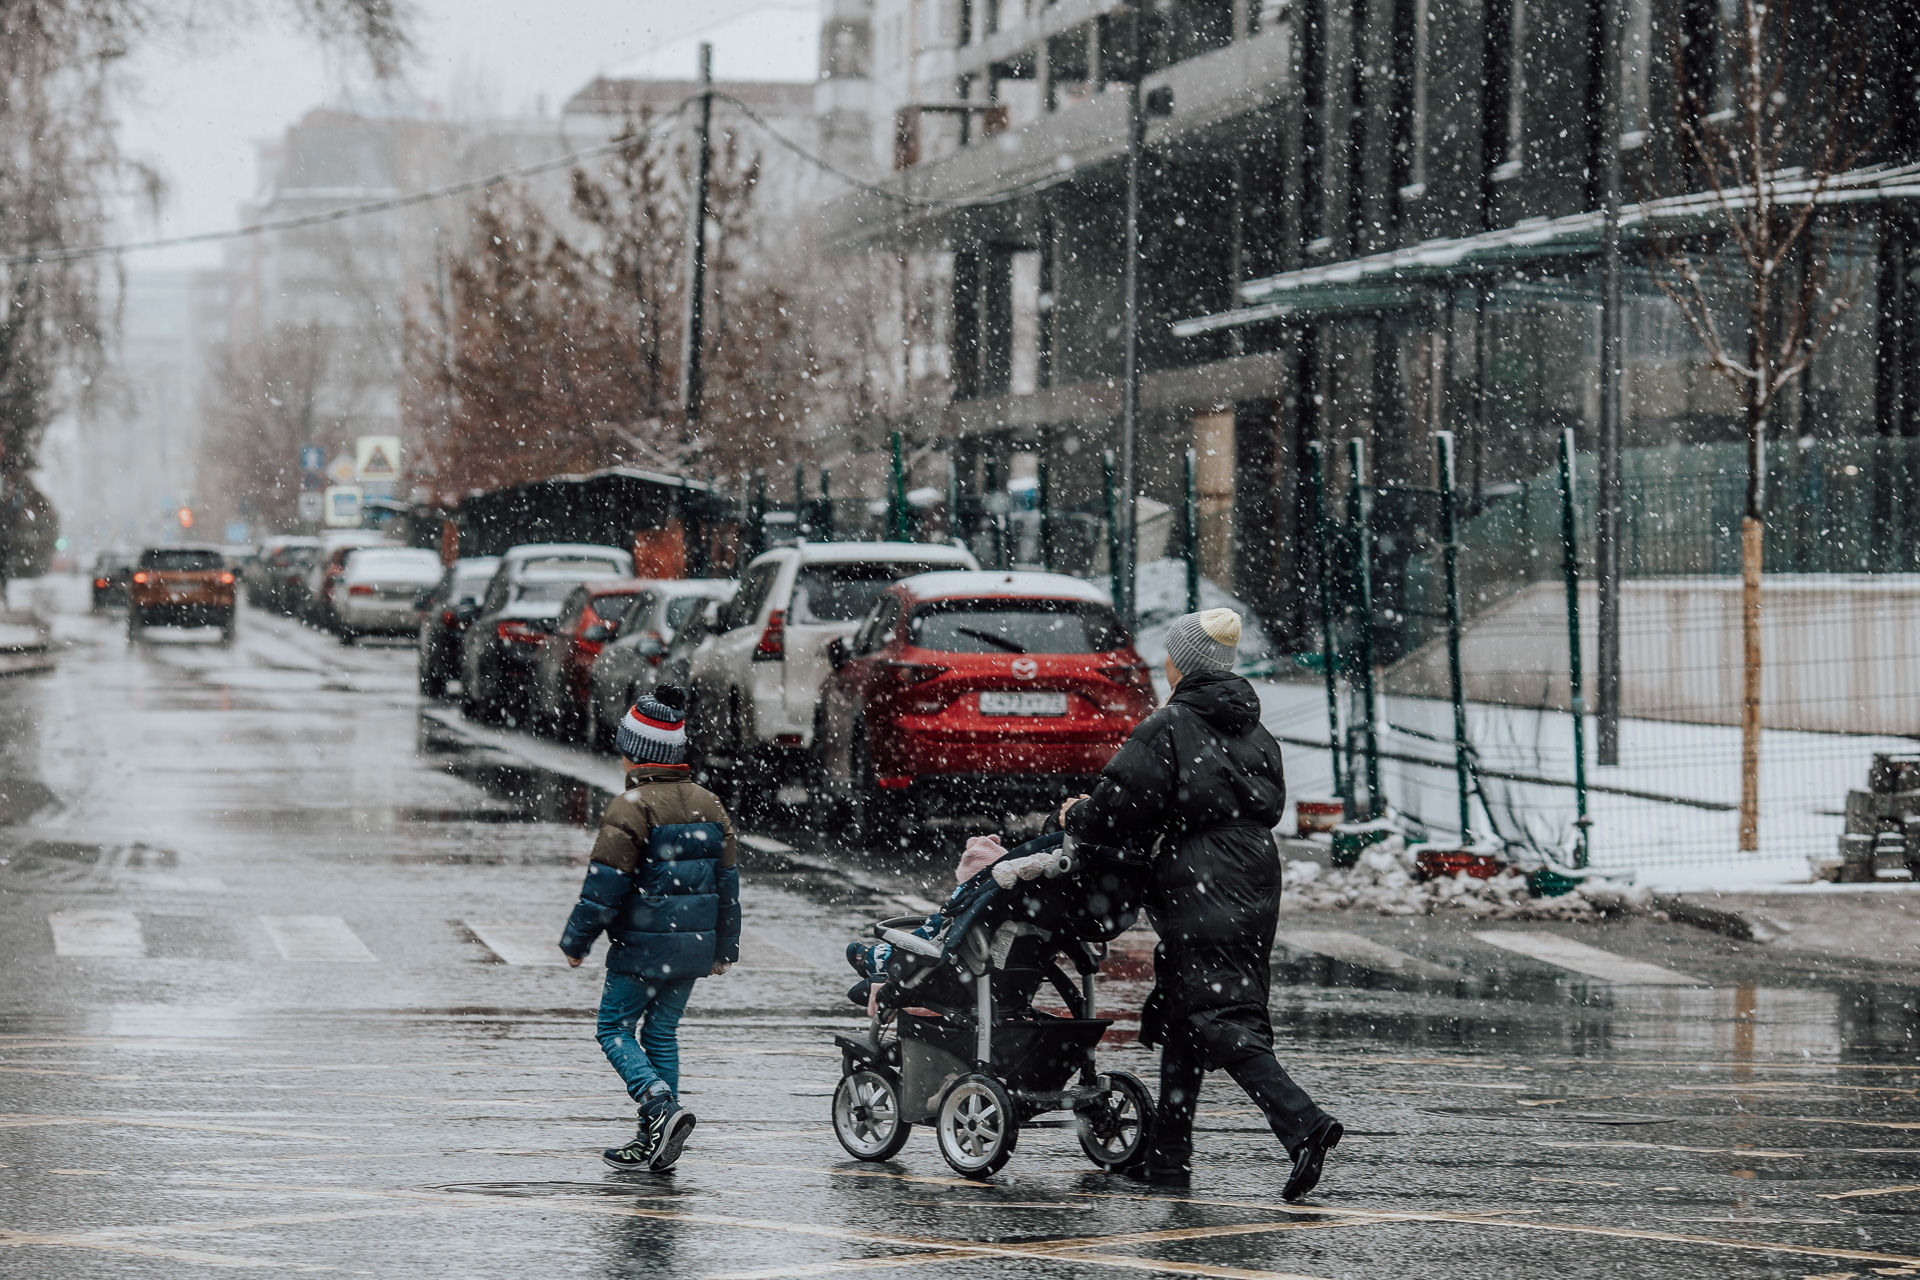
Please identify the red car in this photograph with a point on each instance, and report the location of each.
(967, 693)
(562, 684)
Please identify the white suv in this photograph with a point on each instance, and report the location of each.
(757, 682)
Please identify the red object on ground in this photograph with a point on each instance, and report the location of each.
(1312, 816)
(1434, 864)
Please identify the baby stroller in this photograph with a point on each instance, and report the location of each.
(956, 1041)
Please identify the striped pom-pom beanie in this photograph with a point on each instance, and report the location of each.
(654, 730)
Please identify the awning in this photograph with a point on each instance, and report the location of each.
(1404, 279)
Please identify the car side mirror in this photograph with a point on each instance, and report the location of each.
(467, 610)
(598, 633)
(837, 652)
(423, 600)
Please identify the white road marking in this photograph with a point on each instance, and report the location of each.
(1351, 948)
(519, 941)
(759, 952)
(1581, 958)
(322, 938)
(112, 934)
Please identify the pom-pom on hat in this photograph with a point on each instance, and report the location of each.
(654, 730)
(1205, 641)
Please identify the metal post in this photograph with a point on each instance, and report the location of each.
(1357, 515)
(1113, 531)
(1130, 311)
(757, 513)
(1192, 520)
(953, 498)
(692, 378)
(1606, 559)
(826, 505)
(799, 500)
(1450, 527)
(1316, 483)
(1044, 490)
(1576, 700)
(897, 493)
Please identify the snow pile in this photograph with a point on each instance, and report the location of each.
(1161, 596)
(1383, 881)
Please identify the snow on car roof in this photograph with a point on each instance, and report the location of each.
(857, 552)
(583, 550)
(948, 584)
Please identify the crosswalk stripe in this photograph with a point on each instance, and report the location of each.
(111, 934)
(1364, 953)
(1581, 958)
(519, 941)
(320, 938)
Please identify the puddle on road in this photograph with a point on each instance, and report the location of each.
(562, 1190)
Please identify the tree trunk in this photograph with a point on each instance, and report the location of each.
(1750, 538)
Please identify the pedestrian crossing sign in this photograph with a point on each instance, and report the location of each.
(376, 459)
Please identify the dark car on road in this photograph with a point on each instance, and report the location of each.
(976, 692)
(501, 645)
(445, 612)
(272, 576)
(589, 620)
(181, 587)
(112, 571)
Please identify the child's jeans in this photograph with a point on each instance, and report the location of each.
(656, 1005)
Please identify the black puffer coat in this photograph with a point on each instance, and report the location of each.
(1203, 779)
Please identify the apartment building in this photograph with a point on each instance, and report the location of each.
(1303, 157)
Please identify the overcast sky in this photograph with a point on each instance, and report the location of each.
(195, 110)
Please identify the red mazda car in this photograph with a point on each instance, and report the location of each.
(588, 619)
(967, 693)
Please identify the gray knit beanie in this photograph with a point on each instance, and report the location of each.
(1205, 641)
(654, 730)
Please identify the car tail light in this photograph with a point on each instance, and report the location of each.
(773, 641)
(140, 577)
(911, 673)
(1129, 674)
(894, 784)
(519, 632)
(99, 582)
(226, 579)
(359, 589)
(447, 617)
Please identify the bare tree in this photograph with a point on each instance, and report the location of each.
(1744, 244)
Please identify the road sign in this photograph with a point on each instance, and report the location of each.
(312, 457)
(376, 459)
(313, 506)
(343, 506)
(340, 470)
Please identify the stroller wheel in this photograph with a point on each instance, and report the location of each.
(1114, 1128)
(866, 1115)
(977, 1126)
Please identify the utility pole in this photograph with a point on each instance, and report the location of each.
(1606, 559)
(692, 376)
(1125, 575)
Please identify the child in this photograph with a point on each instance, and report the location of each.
(663, 884)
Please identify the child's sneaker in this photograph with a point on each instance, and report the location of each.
(672, 1125)
(637, 1155)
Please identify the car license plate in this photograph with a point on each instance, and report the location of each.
(1023, 704)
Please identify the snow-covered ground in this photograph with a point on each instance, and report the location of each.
(1804, 779)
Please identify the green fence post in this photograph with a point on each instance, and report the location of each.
(757, 512)
(897, 495)
(1316, 484)
(826, 505)
(953, 499)
(1571, 566)
(1192, 521)
(1357, 514)
(1450, 527)
(799, 500)
(1113, 534)
(1044, 492)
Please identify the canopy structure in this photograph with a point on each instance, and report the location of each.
(669, 517)
(1408, 279)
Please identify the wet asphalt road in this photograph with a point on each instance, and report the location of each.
(314, 1042)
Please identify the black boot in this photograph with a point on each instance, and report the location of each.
(1309, 1156)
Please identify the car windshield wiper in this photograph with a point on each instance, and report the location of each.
(1011, 646)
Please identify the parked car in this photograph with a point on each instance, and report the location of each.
(271, 574)
(445, 612)
(631, 663)
(379, 591)
(970, 693)
(112, 571)
(756, 684)
(181, 587)
(316, 603)
(589, 618)
(498, 650)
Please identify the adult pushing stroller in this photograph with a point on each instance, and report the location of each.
(954, 1040)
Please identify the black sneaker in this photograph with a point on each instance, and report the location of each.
(637, 1155)
(673, 1125)
(1309, 1156)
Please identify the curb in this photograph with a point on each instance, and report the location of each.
(1742, 926)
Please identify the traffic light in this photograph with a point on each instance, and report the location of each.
(186, 517)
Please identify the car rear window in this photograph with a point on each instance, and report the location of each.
(543, 592)
(1014, 626)
(845, 592)
(180, 560)
(574, 568)
(295, 557)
